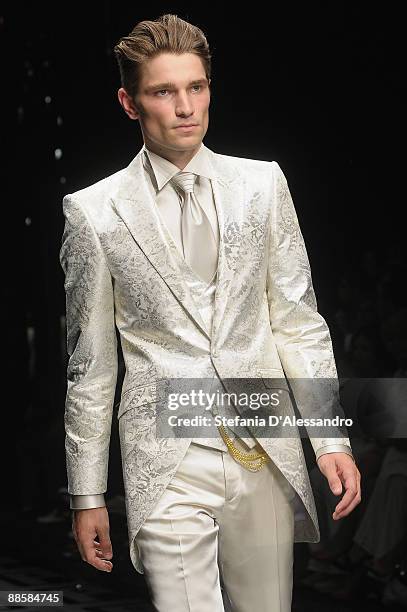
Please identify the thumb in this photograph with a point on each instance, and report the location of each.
(105, 543)
(335, 485)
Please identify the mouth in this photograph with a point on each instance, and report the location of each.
(190, 126)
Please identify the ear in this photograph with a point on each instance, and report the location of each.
(127, 103)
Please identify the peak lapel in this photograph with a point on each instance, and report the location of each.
(229, 196)
(135, 206)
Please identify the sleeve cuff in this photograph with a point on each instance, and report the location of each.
(334, 448)
(85, 502)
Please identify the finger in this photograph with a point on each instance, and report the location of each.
(100, 564)
(333, 479)
(97, 545)
(352, 496)
(351, 491)
(88, 547)
(337, 515)
(92, 556)
(351, 479)
(99, 554)
(105, 544)
(98, 550)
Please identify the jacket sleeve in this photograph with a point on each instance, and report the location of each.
(92, 351)
(301, 334)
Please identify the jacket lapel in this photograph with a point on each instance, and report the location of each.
(137, 209)
(229, 191)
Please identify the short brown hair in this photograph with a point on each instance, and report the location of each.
(168, 33)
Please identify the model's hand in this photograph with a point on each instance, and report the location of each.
(86, 526)
(339, 468)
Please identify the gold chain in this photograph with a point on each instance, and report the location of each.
(247, 458)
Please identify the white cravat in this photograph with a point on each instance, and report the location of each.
(198, 240)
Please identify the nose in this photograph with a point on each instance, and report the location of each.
(183, 106)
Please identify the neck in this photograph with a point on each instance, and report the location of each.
(178, 158)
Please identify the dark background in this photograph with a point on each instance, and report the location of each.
(318, 87)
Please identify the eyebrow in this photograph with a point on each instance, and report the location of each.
(170, 85)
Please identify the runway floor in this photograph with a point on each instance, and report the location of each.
(43, 556)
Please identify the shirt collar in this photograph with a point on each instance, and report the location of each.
(163, 170)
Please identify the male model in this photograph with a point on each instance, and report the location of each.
(198, 259)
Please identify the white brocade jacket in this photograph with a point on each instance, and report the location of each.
(122, 271)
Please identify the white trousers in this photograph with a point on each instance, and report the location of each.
(220, 538)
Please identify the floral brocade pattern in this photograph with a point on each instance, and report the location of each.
(123, 272)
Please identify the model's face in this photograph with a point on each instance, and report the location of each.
(173, 91)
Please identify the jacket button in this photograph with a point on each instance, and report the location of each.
(214, 353)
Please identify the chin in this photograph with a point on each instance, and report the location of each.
(188, 143)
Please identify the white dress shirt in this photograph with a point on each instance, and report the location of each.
(160, 172)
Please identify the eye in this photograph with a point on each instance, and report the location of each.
(160, 91)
